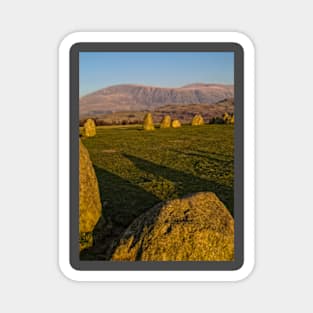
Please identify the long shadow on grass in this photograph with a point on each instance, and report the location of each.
(122, 203)
(124, 200)
(204, 155)
(186, 183)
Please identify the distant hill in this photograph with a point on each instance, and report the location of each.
(183, 112)
(147, 98)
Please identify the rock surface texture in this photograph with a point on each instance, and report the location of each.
(89, 128)
(148, 122)
(89, 198)
(197, 120)
(166, 122)
(197, 227)
(176, 124)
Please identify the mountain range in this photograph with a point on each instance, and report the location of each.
(130, 97)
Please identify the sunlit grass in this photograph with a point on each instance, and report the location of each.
(137, 169)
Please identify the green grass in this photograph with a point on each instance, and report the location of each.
(137, 169)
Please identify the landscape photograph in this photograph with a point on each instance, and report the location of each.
(156, 156)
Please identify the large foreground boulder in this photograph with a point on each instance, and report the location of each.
(197, 120)
(89, 198)
(197, 227)
(90, 128)
(166, 122)
(148, 122)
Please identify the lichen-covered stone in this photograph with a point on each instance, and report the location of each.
(89, 198)
(197, 120)
(176, 124)
(166, 122)
(148, 122)
(225, 116)
(229, 118)
(89, 128)
(197, 227)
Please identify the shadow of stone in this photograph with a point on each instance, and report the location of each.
(204, 155)
(122, 203)
(186, 183)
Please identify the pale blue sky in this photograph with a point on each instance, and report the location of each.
(165, 69)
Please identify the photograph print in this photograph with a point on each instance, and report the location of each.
(156, 156)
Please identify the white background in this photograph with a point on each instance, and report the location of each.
(30, 33)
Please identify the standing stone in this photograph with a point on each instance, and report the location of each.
(89, 198)
(176, 124)
(232, 119)
(197, 120)
(166, 122)
(90, 128)
(229, 118)
(148, 122)
(197, 227)
(226, 118)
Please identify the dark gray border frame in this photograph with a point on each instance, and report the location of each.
(75, 262)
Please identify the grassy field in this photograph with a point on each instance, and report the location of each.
(137, 169)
